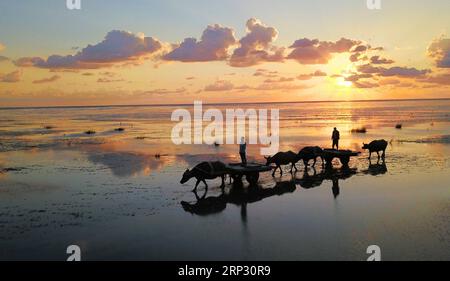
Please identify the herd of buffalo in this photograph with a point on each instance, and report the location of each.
(212, 170)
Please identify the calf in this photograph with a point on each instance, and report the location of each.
(376, 146)
(283, 158)
(310, 152)
(205, 170)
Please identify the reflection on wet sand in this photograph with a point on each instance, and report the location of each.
(376, 169)
(240, 196)
(126, 164)
(316, 179)
(110, 188)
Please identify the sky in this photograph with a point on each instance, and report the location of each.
(169, 52)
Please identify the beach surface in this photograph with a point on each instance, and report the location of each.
(117, 193)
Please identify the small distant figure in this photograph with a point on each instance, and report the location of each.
(242, 151)
(335, 137)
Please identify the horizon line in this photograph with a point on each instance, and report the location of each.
(214, 103)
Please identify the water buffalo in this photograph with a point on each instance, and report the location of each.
(311, 152)
(376, 146)
(283, 158)
(205, 170)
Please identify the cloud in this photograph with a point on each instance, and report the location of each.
(212, 46)
(368, 68)
(356, 77)
(280, 87)
(393, 71)
(61, 70)
(3, 58)
(219, 85)
(160, 92)
(359, 49)
(389, 81)
(441, 79)
(403, 71)
(265, 73)
(272, 85)
(279, 80)
(317, 73)
(378, 60)
(108, 74)
(377, 48)
(256, 46)
(365, 84)
(117, 46)
(439, 50)
(28, 61)
(354, 57)
(47, 80)
(11, 77)
(108, 80)
(307, 51)
(304, 77)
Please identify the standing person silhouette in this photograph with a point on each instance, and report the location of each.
(335, 137)
(242, 151)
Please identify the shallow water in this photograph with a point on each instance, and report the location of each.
(110, 195)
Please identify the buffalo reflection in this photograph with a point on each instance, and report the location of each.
(237, 196)
(376, 169)
(316, 179)
(240, 196)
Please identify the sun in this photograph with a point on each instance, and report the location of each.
(343, 83)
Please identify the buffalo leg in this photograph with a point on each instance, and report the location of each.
(345, 160)
(223, 182)
(384, 154)
(314, 163)
(378, 155)
(196, 184)
(370, 154)
(204, 181)
(196, 195)
(204, 194)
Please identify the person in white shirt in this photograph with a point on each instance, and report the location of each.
(242, 151)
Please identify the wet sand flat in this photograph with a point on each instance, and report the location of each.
(110, 195)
